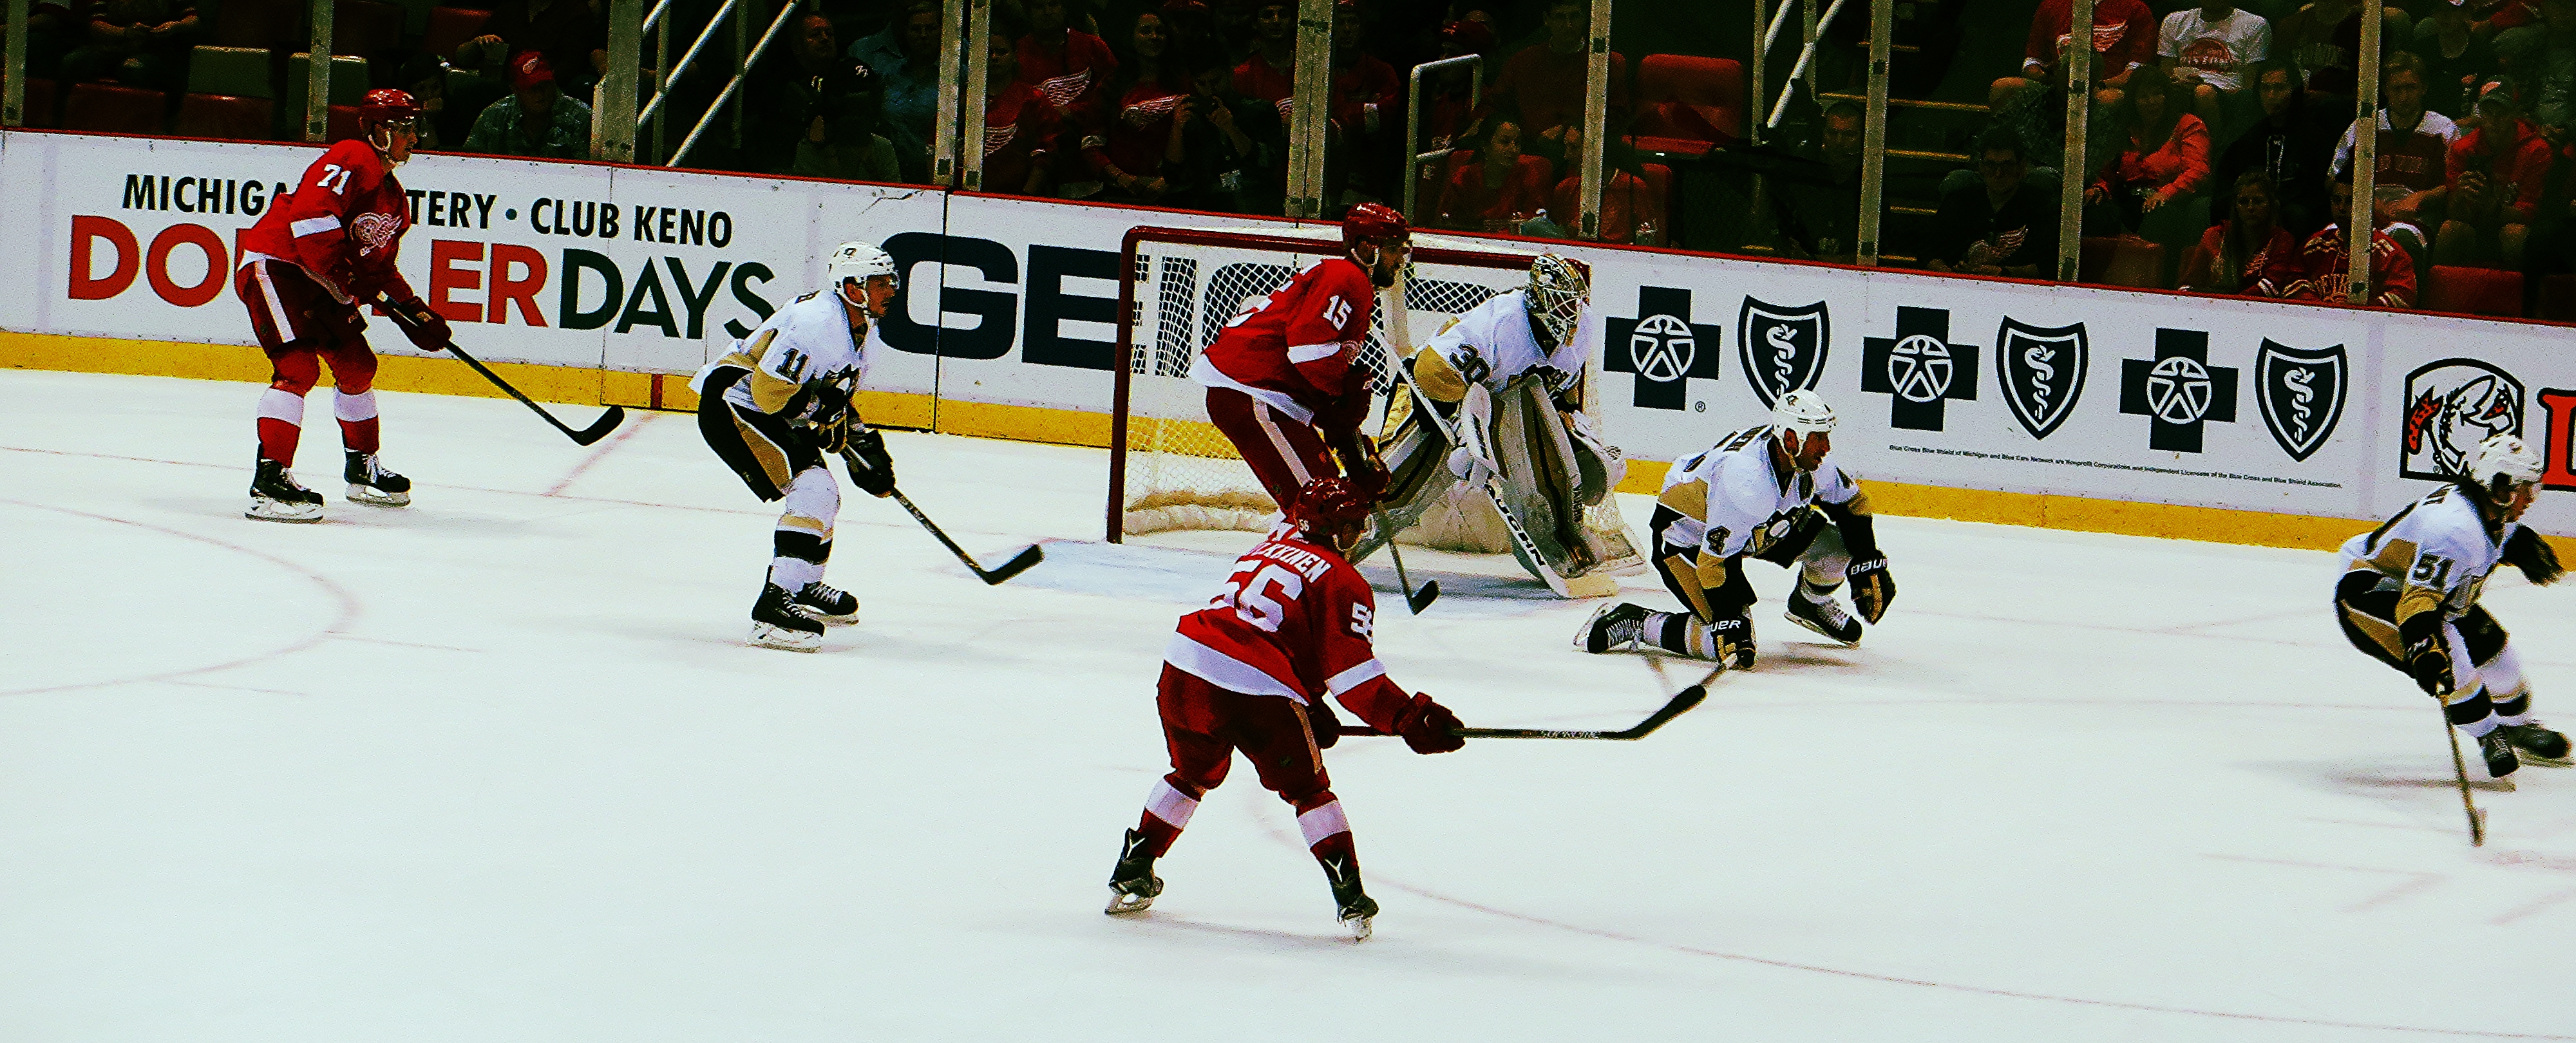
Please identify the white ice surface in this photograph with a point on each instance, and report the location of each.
(499, 767)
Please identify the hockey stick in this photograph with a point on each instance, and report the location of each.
(1417, 600)
(1493, 483)
(1019, 563)
(598, 429)
(2460, 771)
(1680, 704)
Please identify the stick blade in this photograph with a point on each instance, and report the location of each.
(2477, 827)
(600, 428)
(1022, 562)
(1422, 599)
(1681, 704)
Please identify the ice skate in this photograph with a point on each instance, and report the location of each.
(832, 605)
(275, 496)
(776, 622)
(1816, 610)
(1132, 884)
(2498, 748)
(371, 484)
(1351, 905)
(1615, 627)
(2537, 743)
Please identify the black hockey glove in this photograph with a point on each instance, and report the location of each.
(1732, 637)
(2428, 657)
(1326, 726)
(871, 469)
(833, 436)
(1872, 587)
(2525, 550)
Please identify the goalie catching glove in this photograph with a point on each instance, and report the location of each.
(871, 468)
(427, 329)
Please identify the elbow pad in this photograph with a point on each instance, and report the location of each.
(2525, 550)
(1860, 531)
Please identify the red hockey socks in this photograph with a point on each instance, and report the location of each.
(1167, 812)
(357, 414)
(281, 425)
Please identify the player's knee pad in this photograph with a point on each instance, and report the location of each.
(353, 367)
(294, 372)
(813, 497)
(1826, 561)
(354, 406)
(2501, 675)
(2481, 635)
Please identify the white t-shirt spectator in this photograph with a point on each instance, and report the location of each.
(2218, 50)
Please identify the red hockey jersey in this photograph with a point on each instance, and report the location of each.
(1295, 348)
(342, 224)
(1294, 620)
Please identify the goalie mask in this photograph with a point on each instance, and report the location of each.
(1558, 292)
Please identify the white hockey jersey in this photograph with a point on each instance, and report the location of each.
(807, 342)
(2437, 551)
(1732, 502)
(1491, 344)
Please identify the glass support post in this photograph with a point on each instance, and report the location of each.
(2071, 175)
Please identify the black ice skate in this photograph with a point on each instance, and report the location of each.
(1815, 610)
(1615, 627)
(274, 496)
(830, 604)
(1352, 906)
(2538, 743)
(371, 484)
(2498, 748)
(1132, 884)
(776, 622)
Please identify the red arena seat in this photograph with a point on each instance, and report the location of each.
(1688, 104)
(2474, 291)
(225, 116)
(2124, 260)
(40, 103)
(343, 125)
(109, 109)
(449, 27)
(2557, 292)
(259, 23)
(365, 28)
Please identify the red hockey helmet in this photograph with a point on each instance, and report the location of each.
(1329, 505)
(383, 111)
(1374, 223)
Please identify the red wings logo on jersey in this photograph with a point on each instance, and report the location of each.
(998, 138)
(1063, 89)
(373, 231)
(1151, 109)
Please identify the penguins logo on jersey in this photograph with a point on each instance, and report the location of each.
(2451, 406)
(1919, 368)
(2042, 371)
(1783, 349)
(1661, 346)
(2301, 394)
(2180, 389)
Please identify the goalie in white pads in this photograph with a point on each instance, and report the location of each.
(2409, 598)
(1508, 374)
(1772, 493)
(775, 408)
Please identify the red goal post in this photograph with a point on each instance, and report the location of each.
(1169, 468)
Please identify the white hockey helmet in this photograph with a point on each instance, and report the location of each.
(1804, 412)
(1556, 296)
(857, 261)
(2505, 457)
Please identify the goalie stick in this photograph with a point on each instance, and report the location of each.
(2460, 771)
(598, 429)
(1019, 563)
(1681, 703)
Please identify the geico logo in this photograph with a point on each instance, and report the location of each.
(205, 263)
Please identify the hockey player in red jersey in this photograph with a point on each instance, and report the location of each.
(1283, 377)
(1251, 672)
(311, 262)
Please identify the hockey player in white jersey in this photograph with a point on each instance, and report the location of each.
(1508, 376)
(775, 408)
(2408, 597)
(1773, 493)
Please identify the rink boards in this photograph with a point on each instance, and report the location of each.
(2000, 400)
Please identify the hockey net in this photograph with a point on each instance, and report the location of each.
(1172, 469)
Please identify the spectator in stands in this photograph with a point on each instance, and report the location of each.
(1367, 106)
(2521, 55)
(2556, 106)
(1270, 74)
(1021, 127)
(842, 141)
(1237, 38)
(1820, 220)
(1547, 84)
(1632, 210)
(2325, 261)
(884, 48)
(909, 83)
(1492, 186)
(2249, 255)
(2413, 158)
(2497, 173)
(1189, 28)
(138, 43)
(1127, 145)
(2456, 57)
(785, 92)
(573, 38)
(535, 120)
(1069, 67)
(2002, 226)
(426, 78)
(2211, 49)
(2290, 147)
(2324, 37)
(2124, 40)
(2153, 187)
(1235, 148)
(1447, 107)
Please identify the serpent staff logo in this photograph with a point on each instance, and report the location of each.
(2301, 394)
(2041, 369)
(1783, 349)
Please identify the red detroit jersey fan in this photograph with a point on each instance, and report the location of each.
(342, 224)
(1294, 620)
(1294, 349)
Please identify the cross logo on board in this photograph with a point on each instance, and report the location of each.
(1662, 347)
(2179, 388)
(1918, 368)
